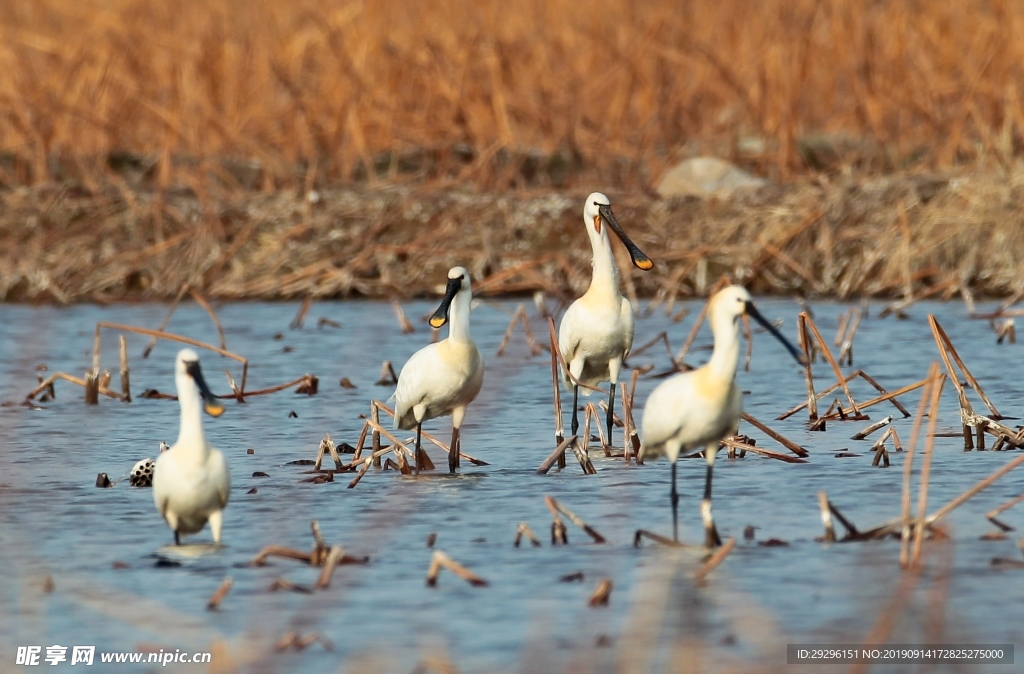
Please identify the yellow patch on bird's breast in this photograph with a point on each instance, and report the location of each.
(709, 386)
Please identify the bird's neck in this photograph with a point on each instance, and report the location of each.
(458, 323)
(726, 354)
(191, 441)
(605, 280)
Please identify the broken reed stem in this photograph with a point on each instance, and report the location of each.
(872, 428)
(508, 331)
(300, 317)
(167, 319)
(362, 471)
(831, 361)
(173, 338)
(524, 530)
(960, 500)
(555, 455)
(375, 441)
(559, 429)
(714, 560)
(805, 342)
(554, 505)
(777, 437)
(826, 517)
(991, 515)
(926, 468)
(947, 349)
(878, 387)
(601, 593)
(201, 301)
(333, 557)
(427, 436)
(218, 596)
(440, 560)
(643, 533)
(746, 447)
(48, 382)
(403, 321)
(631, 441)
(126, 389)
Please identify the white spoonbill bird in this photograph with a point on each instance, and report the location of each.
(444, 377)
(697, 409)
(596, 332)
(191, 481)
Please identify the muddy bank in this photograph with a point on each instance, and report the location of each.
(866, 236)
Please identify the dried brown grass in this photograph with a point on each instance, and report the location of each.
(814, 236)
(264, 93)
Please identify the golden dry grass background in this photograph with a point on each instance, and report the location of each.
(467, 90)
(146, 144)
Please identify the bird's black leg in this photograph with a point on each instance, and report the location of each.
(611, 411)
(177, 539)
(575, 404)
(419, 456)
(454, 450)
(674, 495)
(711, 537)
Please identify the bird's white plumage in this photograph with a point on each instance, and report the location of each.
(444, 377)
(696, 409)
(191, 481)
(596, 332)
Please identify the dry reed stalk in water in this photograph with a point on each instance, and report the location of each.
(826, 518)
(555, 507)
(362, 472)
(300, 317)
(831, 361)
(201, 301)
(167, 319)
(991, 515)
(714, 560)
(872, 428)
(375, 437)
(48, 384)
(840, 414)
(747, 447)
(126, 389)
(846, 348)
(329, 564)
(878, 387)
(947, 349)
(524, 530)
(806, 344)
(280, 551)
(774, 435)
(926, 468)
(403, 321)
(601, 593)
(218, 596)
(170, 337)
(557, 395)
(983, 484)
(387, 375)
(631, 444)
(327, 445)
(431, 438)
(554, 456)
(442, 561)
(662, 540)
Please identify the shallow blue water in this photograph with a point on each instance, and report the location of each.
(381, 617)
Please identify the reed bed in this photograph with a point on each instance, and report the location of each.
(963, 236)
(265, 93)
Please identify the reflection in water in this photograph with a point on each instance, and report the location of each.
(55, 522)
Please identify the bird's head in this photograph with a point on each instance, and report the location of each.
(187, 370)
(598, 215)
(458, 281)
(732, 302)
